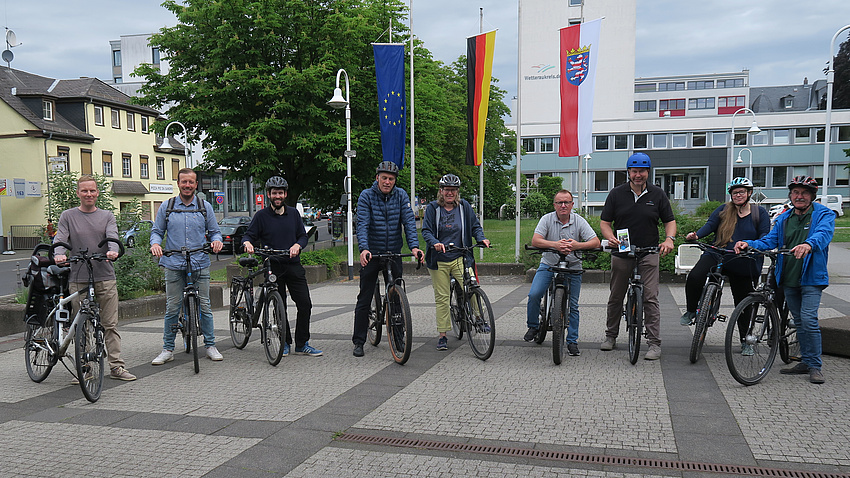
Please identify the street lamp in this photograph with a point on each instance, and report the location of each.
(586, 175)
(830, 79)
(166, 144)
(754, 130)
(739, 161)
(338, 102)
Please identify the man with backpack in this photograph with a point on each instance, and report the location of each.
(181, 221)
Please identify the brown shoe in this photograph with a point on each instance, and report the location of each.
(121, 373)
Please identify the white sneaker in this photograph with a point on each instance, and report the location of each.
(654, 353)
(164, 356)
(214, 354)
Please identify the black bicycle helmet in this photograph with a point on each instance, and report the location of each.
(804, 181)
(277, 182)
(450, 181)
(387, 167)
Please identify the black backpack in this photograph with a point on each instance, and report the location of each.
(199, 207)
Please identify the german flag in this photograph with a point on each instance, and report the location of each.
(479, 70)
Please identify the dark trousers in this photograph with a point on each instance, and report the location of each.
(741, 286)
(368, 279)
(293, 277)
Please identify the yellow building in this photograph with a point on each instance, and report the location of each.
(81, 125)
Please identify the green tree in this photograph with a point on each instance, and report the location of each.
(62, 194)
(841, 86)
(548, 186)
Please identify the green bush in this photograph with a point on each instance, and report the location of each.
(137, 271)
(325, 257)
(705, 209)
(536, 205)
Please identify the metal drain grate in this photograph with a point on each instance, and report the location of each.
(741, 470)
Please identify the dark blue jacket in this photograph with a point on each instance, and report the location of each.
(380, 219)
(471, 229)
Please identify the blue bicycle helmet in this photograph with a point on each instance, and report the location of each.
(639, 160)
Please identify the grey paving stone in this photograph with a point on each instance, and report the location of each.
(251, 428)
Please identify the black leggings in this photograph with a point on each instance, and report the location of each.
(741, 285)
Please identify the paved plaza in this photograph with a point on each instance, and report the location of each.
(516, 414)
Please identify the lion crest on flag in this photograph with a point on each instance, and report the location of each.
(578, 62)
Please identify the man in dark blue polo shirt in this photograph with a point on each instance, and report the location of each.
(637, 206)
(280, 227)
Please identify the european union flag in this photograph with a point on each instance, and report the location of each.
(389, 69)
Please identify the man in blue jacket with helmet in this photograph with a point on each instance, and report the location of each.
(382, 212)
(807, 230)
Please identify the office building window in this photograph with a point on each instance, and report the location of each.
(160, 168)
(621, 141)
(700, 85)
(116, 57)
(672, 86)
(699, 140)
(677, 104)
(116, 118)
(780, 136)
(788, 102)
(844, 133)
(740, 139)
(640, 141)
(739, 172)
(680, 140)
(645, 87)
(576, 3)
(47, 107)
(143, 167)
(819, 135)
(718, 139)
(759, 176)
(802, 135)
(155, 56)
(818, 174)
(547, 145)
(760, 139)
(601, 143)
(644, 106)
(98, 115)
(107, 163)
(659, 141)
(733, 83)
(701, 104)
(131, 121)
(620, 177)
(780, 177)
(528, 145)
(126, 165)
(600, 180)
(730, 101)
(118, 80)
(145, 124)
(841, 175)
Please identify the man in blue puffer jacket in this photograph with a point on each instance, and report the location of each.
(807, 230)
(382, 211)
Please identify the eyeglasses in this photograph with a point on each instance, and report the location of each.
(563, 203)
(738, 193)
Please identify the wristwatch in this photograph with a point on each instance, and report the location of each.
(672, 237)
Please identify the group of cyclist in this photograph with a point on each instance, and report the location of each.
(385, 222)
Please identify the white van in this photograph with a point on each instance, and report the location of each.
(834, 202)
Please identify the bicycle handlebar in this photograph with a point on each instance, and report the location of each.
(393, 255)
(709, 247)
(186, 251)
(267, 252)
(579, 253)
(83, 254)
(452, 247)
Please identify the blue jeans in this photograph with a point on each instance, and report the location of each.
(803, 303)
(539, 287)
(175, 281)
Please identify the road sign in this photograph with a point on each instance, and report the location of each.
(259, 199)
(219, 197)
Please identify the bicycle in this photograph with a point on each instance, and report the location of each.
(470, 309)
(188, 322)
(756, 318)
(245, 311)
(709, 302)
(633, 311)
(46, 342)
(555, 303)
(393, 309)
(789, 347)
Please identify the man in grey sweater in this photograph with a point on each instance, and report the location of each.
(84, 227)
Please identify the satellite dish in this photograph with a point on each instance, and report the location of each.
(11, 38)
(8, 56)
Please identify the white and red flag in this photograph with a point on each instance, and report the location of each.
(579, 55)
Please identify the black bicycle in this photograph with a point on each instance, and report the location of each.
(470, 308)
(755, 326)
(709, 302)
(245, 312)
(393, 309)
(189, 320)
(789, 347)
(555, 303)
(633, 311)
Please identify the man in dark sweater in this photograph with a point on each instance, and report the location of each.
(638, 207)
(280, 227)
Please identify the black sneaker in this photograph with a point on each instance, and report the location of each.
(529, 336)
(798, 369)
(573, 350)
(358, 350)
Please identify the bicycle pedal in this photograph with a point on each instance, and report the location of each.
(721, 318)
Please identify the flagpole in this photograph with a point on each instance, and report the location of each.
(518, 118)
(412, 128)
(481, 168)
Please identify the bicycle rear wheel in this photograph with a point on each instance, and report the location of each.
(38, 339)
(373, 333)
(559, 321)
(399, 324)
(789, 347)
(192, 327)
(240, 319)
(634, 322)
(760, 324)
(706, 313)
(481, 327)
(543, 318)
(456, 308)
(274, 327)
(89, 353)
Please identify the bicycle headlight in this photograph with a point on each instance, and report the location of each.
(272, 278)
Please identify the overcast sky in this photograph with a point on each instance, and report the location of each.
(779, 41)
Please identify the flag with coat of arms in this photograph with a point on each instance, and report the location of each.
(579, 56)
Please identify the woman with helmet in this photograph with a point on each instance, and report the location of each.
(807, 230)
(737, 220)
(448, 220)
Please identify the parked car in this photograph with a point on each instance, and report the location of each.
(235, 220)
(833, 201)
(129, 237)
(339, 213)
(231, 235)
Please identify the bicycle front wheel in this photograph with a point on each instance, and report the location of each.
(708, 306)
(399, 324)
(240, 319)
(38, 358)
(192, 327)
(789, 347)
(274, 323)
(559, 332)
(634, 322)
(759, 326)
(89, 352)
(543, 318)
(456, 308)
(481, 327)
(373, 333)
